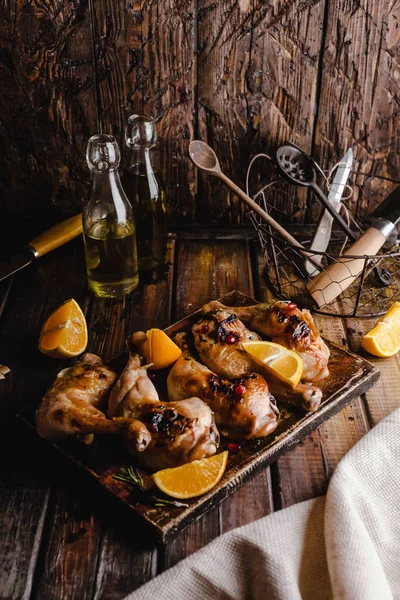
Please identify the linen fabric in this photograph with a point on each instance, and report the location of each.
(345, 545)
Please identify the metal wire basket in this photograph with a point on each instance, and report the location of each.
(285, 274)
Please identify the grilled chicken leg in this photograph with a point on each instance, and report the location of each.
(243, 408)
(177, 432)
(306, 396)
(73, 405)
(218, 339)
(289, 326)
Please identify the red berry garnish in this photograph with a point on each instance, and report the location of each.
(231, 339)
(204, 329)
(234, 448)
(240, 390)
(292, 306)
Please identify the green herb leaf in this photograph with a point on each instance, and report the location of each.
(165, 502)
(133, 477)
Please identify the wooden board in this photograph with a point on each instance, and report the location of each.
(358, 104)
(48, 100)
(350, 376)
(257, 73)
(242, 75)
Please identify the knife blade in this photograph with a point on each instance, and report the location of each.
(45, 242)
(323, 231)
(16, 263)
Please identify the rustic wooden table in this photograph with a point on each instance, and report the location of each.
(58, 537)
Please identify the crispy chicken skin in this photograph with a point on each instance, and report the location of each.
(249, 414)
(177, 432)
(218, 338)
(231, 361)
(286, 325)
(73, 405)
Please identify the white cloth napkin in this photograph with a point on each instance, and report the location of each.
(344, 546)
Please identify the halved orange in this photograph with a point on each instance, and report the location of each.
(384, 339)
(64, 334)
(161, 351)
(278, 360)
(194, 478)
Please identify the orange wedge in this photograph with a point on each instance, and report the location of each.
(161, 351)
(64, 334)
(278, 360)
(194, 478)
(384, 339)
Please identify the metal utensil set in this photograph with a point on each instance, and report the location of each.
(325, 281)
(299, 168)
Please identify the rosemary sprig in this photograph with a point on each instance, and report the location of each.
(130, 475)
(165, 502)
(133, 477)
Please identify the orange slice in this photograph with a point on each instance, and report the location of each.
(194, 478)
(161, 351)
(384, 339)
(64, 334)
(278, 360)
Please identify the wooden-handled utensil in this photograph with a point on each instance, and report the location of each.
(338, 276)
(42, 244)
(205, 159)
(299, 168)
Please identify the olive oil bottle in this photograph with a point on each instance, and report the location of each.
(108, 224)
(145, 191)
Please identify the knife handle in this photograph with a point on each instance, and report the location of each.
(338, 276)
(56, 236)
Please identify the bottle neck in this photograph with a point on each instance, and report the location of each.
(107, 190)
(141, 160)
(107, 182)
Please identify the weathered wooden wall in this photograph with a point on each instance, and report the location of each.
(242, 74)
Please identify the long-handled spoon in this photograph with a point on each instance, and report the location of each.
(205, 159)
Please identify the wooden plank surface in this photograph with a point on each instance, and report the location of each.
(47, 95)
(359, 104)
(26, 475)
(245, 76)
(70, 542)
(385, 396)
(258, 66)
(242, 75)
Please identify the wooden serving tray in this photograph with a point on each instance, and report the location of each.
(349, 377)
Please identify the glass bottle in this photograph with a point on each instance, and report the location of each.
(108, 224)
(146, 191)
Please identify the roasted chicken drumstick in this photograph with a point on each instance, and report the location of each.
(289, 326)
(73, 405)
(177, 432)
(243, 408)
(218, 338)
